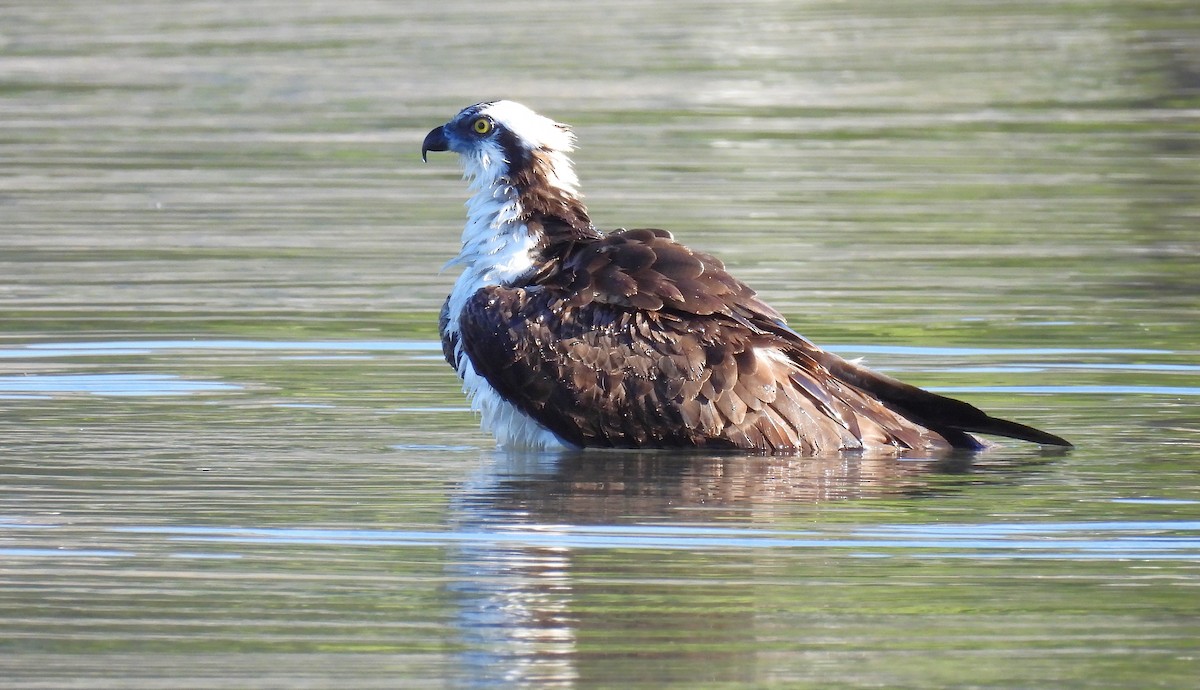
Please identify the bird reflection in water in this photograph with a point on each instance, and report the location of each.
(559, 533)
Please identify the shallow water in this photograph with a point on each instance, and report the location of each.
(232, 455)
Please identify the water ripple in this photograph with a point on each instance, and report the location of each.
(1068, 540)
(110, 384)
(1078, 389)
(136, 347)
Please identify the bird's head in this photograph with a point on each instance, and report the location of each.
(504, 143)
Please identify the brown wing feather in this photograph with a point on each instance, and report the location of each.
(953, 419)
(634, 340)
(606, 375)
(647, 269)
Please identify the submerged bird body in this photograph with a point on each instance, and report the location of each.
(568, 337)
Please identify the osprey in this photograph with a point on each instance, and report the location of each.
(568, 337)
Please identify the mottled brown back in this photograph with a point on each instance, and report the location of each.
(634, 340)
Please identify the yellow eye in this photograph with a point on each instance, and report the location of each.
(482, 125)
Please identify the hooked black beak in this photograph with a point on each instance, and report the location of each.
(434, 141)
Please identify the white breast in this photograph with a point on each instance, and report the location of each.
(497, 250)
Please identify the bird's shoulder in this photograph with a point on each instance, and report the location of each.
(647, 269)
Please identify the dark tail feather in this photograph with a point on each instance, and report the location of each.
(953, 419)
(1004, 427)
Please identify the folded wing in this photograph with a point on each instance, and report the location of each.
(637, 341)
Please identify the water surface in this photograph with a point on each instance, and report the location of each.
(233, 457)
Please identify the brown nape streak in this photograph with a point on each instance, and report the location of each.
(539, 199)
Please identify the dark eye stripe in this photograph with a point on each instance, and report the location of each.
(514, 151)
